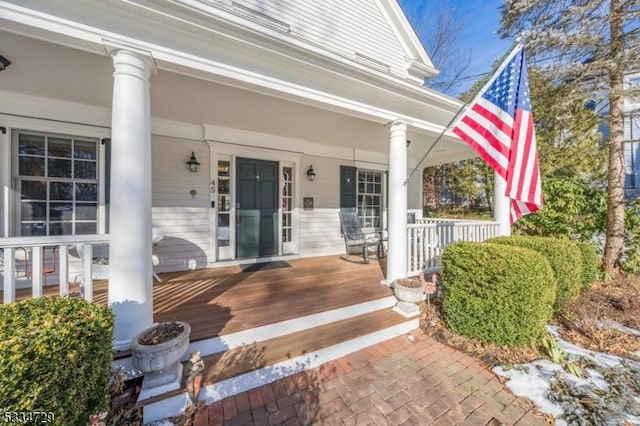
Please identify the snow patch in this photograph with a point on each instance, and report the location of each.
(532, 380)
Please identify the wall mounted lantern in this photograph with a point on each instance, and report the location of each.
(311, 174)
(193, 163)
(4, 63)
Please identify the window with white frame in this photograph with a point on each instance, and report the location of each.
(370, 199)
(56, 178)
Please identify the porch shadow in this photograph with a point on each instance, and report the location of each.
(298, 382)
(178, 254)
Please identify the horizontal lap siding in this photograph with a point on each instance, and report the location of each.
(343, 26)
(320, 232)
(320, 228)
(185, 220)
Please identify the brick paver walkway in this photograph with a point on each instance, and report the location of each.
(391, 383)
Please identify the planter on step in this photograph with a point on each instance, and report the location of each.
(408, 292)
(156, 352)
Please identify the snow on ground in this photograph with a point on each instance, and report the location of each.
(532, 380)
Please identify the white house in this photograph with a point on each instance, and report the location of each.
(104, 103)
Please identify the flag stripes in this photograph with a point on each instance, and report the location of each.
(498, 125)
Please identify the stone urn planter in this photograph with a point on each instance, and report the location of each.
(408, 292)
(156, 352)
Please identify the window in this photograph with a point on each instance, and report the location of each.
(224, 203)
(287, 203)
(56, 177)
(369, 199)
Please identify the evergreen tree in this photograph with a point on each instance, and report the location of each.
(590, 43)
(566, 131)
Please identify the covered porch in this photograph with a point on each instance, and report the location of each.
(230, 299)
(256, 128)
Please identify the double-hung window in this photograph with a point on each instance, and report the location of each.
(370, 199)
(56, 178)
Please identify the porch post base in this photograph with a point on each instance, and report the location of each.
(407, 309)
(121, 345)
(155, 384)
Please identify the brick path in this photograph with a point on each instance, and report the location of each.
(391, 383)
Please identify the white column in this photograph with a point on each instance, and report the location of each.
(397, 220)
(5, 181)
(501, 205)
(130, 268)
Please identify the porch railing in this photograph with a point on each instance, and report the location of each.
(428, 238)
(24, 259)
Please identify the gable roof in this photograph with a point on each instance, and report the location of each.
(419, 58)
(375, 33)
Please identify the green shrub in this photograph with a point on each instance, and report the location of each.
(498, 294)
(55, 356)
(590, 263)
(563, 256)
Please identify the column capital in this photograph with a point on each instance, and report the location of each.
(398, 126)
(119, 50)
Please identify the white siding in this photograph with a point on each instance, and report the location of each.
(320, 228)
(320, 233)
(342, 26)
(184, 219)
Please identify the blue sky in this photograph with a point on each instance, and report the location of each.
(483, 17)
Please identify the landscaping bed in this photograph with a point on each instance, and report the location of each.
(582, 386)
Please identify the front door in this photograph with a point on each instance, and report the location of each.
(256, 207)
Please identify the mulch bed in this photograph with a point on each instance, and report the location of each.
(617, 300)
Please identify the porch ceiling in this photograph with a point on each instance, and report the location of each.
(47, 70)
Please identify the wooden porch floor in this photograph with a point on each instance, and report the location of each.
(225, 300)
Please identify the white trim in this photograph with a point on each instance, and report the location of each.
(364, 165)
(370, 156)
(242, 150)
(217, 391)
(417, 57)
(213, 198)
(289, 149)
(176, 129)
(293, 246)
(16, 125)
(50, 115)
(83, 36)
(112, 47)
(271, 331)
(53, 115)
(5, 180)
(223, 253)
(102, 184)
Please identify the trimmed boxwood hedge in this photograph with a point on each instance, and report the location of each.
(590, 263)
(55, 356)
(564, 257)
(498, 294)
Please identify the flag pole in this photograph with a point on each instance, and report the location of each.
(494, 70)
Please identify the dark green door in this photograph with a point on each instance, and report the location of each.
(257, 208)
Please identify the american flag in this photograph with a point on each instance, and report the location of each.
(498, 124)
